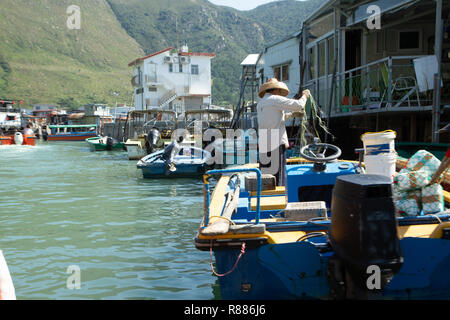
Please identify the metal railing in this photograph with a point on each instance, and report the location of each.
(385, 83)
(167, 98)
(208, 175)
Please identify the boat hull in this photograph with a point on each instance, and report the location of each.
(71, 137)
(29, 140)
(135, 151)
(299, 271)
(158, 170)
(96, 145)
(289, 255)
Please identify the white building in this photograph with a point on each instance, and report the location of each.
(281, 61)
(172, 80)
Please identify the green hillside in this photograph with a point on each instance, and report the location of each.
(43, 61)
(229, 33)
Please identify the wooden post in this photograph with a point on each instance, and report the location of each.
(435, 117)
(438, 76)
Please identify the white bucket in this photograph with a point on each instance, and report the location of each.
(382, 164)
(379, 142)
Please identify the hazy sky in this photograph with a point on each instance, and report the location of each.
(240, 4)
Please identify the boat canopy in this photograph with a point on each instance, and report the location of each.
(152, 111)
(211, 111)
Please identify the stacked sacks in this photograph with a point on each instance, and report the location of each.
(412, 189)
(432, 199)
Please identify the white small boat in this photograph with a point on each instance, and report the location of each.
(7, 291)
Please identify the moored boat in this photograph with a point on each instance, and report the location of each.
(332, 232)
(105, 144)
(407, 149)
(17, 138)
(10, 126)
(148, 131)
(79, 132)
(186, 161)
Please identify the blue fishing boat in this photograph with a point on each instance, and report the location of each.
(332, 233)
(78, 132)
(182, 162)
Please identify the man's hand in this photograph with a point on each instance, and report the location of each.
(306, 93)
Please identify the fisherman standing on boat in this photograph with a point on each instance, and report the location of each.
(273, 110)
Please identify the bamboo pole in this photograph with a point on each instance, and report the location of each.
(445, 164)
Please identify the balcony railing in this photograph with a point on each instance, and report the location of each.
(387, 83)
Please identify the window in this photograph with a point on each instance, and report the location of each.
(170, 67)
(312, 63)
(139, 76)
(331, 55)
(180, 68)
(277, 73)
(380, 41)
(322, 59)
(409, 40)
(285, 73)
(281, 73)
(194, 69)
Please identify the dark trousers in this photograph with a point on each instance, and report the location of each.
(274, 162)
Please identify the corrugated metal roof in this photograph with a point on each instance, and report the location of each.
(291, 36)
(250, 60)
(329, 6)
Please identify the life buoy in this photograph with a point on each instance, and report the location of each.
(7, 291)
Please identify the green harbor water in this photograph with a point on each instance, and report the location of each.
(63, 205)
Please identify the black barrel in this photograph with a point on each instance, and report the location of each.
(363, 229)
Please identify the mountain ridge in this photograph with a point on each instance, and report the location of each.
(228, 32)
(41, 61)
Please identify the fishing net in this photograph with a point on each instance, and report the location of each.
(432, 199)
(409, 180)
(308, 131)
(413, 189)
(407, 203)
(423, 160)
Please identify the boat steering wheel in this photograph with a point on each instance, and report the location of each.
(315, 152)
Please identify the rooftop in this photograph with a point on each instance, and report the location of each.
(149, 56)
(181, 53)
(250, 60)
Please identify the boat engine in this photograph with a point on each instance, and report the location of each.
(18, 138)
(109, 143)
(363, 236)
(45, 133)
(151, 140)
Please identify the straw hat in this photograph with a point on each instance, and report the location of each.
(273, 84)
